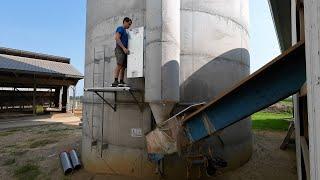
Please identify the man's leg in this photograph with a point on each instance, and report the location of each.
(122, 83)
(121, 64)
(122, 70)
(117, 71)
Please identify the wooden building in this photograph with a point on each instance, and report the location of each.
(295, 21)
(29, 80)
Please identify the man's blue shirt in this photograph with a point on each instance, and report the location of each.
(124, 36)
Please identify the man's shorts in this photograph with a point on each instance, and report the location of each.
(121, 57)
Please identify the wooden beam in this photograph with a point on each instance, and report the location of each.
(304, 117)
(296, 112)
(303, 90)
(312, 35)
(286, 140)
(296, 102)
(294, 33)
(306, 157)
(34, 98)
(39, 81)
(15, 74)
(64, 101)
(301, 20)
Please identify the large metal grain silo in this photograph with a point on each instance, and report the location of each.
(108, 145)
(194, 50)
(214, 57)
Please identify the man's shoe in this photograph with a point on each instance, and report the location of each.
(122, 84)
(115, 84)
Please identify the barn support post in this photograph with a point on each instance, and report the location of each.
(312, 38)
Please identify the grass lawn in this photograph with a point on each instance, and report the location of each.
(271, 121)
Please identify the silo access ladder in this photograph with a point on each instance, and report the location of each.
(100, 92)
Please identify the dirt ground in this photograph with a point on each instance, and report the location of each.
(268, 162)
(33, 153)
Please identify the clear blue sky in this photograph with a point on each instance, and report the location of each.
(57, 27)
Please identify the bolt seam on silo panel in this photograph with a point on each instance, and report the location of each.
(221, 16)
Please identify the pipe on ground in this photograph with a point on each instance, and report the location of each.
(65, 162)
(74, 159)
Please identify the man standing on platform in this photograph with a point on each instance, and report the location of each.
(121, 52)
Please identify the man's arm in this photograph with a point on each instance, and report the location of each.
(118, 40)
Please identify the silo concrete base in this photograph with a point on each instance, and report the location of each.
(133, 162)
(236, 146)
(117, 160)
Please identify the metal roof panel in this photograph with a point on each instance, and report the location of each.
(37, 66)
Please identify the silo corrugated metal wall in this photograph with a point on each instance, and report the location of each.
(107, 144)
(214, 57)
(162, 56)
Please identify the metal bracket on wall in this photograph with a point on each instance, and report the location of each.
(114, 107)
(115, 91)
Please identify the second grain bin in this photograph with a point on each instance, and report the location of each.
(214, 57)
